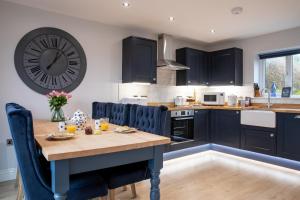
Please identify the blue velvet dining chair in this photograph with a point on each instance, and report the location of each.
(99, 110)
(144, 118)
(35, 176)
(118, 113)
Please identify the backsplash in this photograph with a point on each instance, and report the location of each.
(165, 93)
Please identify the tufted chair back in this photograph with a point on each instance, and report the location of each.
(119, 113)
(21, 128)
(99, 110)
(132, 115)
(149, 119)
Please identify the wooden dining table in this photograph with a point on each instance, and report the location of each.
(85, 153)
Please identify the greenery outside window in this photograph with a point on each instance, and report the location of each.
(282, 69)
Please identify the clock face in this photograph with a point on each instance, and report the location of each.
(49, 59)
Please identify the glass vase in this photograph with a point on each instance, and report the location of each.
(58, 115)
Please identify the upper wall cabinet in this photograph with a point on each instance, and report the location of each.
(139, 60)
(226, 67)
(197, 61)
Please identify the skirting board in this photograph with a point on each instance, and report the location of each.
(236, 152)
(8, 174)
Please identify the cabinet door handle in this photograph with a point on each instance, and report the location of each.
(237, 112)
(272, 135)
(154, 79)
(231, 82)
(297, 117)
(226, 54)
(189, 81)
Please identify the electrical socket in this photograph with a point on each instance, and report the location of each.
(9, 142)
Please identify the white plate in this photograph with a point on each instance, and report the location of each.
(125, 130)
(60, 136)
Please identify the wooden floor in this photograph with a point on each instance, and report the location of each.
(213, 176)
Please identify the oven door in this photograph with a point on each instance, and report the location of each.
(182, 129)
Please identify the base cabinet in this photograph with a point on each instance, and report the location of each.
(258, 139)
(201, 125)
(225, 127)
(288, 133)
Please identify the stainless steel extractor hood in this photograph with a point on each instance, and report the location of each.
(165, 52)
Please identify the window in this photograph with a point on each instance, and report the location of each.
(283, 69)
(296, 74)
(275, 72)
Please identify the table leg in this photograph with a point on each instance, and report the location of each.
(60, 179)
(154, 166)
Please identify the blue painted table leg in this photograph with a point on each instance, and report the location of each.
(154, 166)
(60, 179)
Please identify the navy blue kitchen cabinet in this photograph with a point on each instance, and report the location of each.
(226, 67)
(226, 127)
(139, 60)
(201, 125)
(258, 139)
(288, 135)
(197, 61)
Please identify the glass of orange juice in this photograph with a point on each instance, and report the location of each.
(104, 124)
(71, 128)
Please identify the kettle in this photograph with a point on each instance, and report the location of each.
(180, 101)
(232, 100)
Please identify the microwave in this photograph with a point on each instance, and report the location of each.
(213, 98)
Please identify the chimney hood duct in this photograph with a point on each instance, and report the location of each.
(165, 52)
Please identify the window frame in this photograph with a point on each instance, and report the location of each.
(288, 75)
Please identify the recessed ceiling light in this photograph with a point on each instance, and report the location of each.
(125, 4)
(171, 19)
(236, 10)
(212, 31)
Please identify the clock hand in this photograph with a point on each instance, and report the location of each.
(54, 60)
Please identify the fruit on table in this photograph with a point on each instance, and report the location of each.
(88, 130)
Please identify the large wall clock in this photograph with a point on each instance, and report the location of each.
(49, 59)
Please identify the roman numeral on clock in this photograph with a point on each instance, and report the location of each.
(54, 42)
(70, 71)
(36, 50)
(44, 43)
(71, 53)
(44, 78)
(54, 80)
(72, 62)
(33, 60)
(35, 70)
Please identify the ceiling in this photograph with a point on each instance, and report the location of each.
(193, 18)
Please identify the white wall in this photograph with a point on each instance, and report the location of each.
(103, 48)
(260, 44)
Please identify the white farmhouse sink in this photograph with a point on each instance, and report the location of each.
(261, 118)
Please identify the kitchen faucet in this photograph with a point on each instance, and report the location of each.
(269, 97)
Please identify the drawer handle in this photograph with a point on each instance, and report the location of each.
(297, 117)
(272, 135)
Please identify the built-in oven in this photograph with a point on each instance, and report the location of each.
(182, 126)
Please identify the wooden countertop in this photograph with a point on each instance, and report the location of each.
(89, 145)
(280, 108)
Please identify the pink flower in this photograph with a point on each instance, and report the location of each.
(58, 94)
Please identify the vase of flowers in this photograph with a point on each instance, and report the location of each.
(56, 101)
